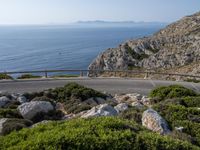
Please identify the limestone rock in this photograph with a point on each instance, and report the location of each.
(101, 110)
(128, 98)
(153, 121)
(3, 101)
(2, 121)
(121, 107)
(31, 109)
(138, 105)
(22, 99)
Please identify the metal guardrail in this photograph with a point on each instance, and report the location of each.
(127, 72)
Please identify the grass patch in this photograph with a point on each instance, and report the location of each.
(29, 76)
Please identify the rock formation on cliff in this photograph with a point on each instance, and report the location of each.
(175, 48)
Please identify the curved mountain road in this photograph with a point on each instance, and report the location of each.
(110, 85)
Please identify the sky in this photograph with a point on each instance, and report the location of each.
(68, 11)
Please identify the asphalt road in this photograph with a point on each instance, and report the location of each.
(114, 85)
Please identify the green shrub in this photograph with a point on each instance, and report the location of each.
(178, 115)
(9, 113)
(133, 114)
(28, 76)
(51, 115)
(192, 101)
(152, 141)
(14, 125)
(172, 91)
(97, 133)
(192, 80)
(5, 76)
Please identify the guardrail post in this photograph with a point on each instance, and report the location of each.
(46, 75)
(147, 75)
(81, 73)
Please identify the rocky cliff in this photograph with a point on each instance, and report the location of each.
(175, 48)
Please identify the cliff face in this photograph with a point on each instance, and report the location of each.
(175, 48)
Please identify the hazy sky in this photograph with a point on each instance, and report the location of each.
(66, 11)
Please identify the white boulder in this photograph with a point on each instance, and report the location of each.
(2, 121)
(153, 121)
(22, 99)
(31, 109)
(100, 110)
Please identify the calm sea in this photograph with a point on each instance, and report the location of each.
(58, 47)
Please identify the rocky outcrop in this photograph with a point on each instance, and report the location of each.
(175, 47)
(153, 121)
(31, 109)
(101, 110)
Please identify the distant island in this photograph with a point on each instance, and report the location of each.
(117, 23)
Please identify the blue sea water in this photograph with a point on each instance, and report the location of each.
(25, 48)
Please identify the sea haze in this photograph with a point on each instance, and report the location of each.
(25, 48)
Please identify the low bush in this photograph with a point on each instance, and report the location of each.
(5, 76)
(14, 125)
(173, 91)
(133, 114)
(97, 133)
(28, 76)
(71, 95)
(192, 80)
(179, 115)
(9, 113)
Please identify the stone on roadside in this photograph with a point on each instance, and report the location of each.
(153, 121)
(30, 109)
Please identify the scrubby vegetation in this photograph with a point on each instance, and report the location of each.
(14, 125)
(172, 91)
(72, 95)
(9, 113)
(192, 80)
(97, 133)
(178, 105)
(28, 76)
(5, 76)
